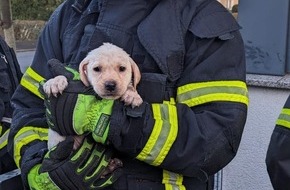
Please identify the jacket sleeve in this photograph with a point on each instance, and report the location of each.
(197, 132)
(28, 135)
(278, 154)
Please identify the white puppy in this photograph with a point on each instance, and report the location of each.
(110, 70)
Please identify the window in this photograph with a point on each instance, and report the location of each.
(265, 32)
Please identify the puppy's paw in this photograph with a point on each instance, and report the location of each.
(55, 85)
(78, 140)
(137, 101)
(54, 138)
(114, 164)
(132, 98)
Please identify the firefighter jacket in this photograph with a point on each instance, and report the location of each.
(278, 153)
(192, 60)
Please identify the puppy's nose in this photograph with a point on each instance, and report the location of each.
(110, 86)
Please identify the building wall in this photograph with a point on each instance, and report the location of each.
(248, 169)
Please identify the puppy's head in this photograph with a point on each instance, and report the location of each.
(109, 69)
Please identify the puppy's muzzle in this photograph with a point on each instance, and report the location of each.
(110, 86)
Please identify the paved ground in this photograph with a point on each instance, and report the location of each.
(25, 45)
(24, 52)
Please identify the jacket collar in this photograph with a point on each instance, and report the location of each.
(162, 34)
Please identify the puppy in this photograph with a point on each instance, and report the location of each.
(112, 73)
(110, 70)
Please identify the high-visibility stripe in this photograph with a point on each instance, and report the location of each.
(284, 118)
(3, 139)
(25, 136)
(200, 93)
(172, 181)
(163, 135)
(31, 80)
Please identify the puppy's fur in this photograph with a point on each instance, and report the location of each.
(113, 75)
(110, 70)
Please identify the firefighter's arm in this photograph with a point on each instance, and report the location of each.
(28, 135)
(278, 154)
(199, 133)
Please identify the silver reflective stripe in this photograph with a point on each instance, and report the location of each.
(6, 119)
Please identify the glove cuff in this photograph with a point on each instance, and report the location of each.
(38, 180)
(130, 128)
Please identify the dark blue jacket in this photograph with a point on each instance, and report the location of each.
(192, 61)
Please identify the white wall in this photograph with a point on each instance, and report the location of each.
(248, 170)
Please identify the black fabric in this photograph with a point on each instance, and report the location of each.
(59, 110)
(6, 160)
(278, 158)
(227, 23)
(126, 122)
(58, 68)
(6, 163)
(59, 113)
(278, 155)
(10, 75)
(32, 156)
(67, 37)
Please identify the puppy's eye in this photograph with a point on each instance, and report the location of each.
(122, 68)
(97, 69)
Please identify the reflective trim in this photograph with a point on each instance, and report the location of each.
(284, 118)
(6, 120)
(25, 136)
(4, 138)
(200, 93)
(31, 80)
(163, 135)
(172, 181)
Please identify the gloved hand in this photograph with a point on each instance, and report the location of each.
(65, 169)
(78, 110)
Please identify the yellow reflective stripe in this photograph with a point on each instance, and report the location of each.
(3, 139)
(25, 136)
(172, 181)
(199, 93)
(154, 135)
(163, 134)
(31, 80)
(284, 118)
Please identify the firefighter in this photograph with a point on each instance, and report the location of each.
(191, 56)
(278, 153)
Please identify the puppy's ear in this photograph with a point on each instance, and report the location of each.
(136, 72)
(83, 71)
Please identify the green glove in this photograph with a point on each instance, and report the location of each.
(78, 113)
(40, 181)
(78, 110)
(67, 170)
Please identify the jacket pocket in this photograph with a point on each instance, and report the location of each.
(152, 87)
